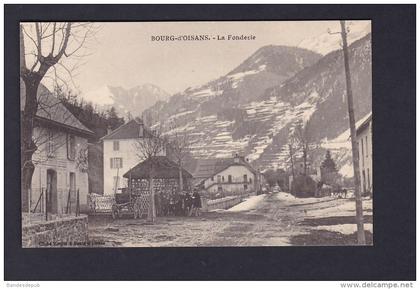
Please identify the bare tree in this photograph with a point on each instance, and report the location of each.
(180, 147)
(361, 239)
(305, 141)
(43, 47)
(292, 146)
(148, 148)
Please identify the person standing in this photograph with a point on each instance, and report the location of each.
(196, 203)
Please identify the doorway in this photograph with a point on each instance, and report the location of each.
(51, 191)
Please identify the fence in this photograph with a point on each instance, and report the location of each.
(100, 204)
(224, 203)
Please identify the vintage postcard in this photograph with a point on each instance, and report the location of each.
(186, 134)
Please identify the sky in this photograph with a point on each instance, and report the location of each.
(123, 53)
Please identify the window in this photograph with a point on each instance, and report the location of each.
(367, 150)
(229, 179)
(116, 145)
(212, 178)
(219, 179)
(116, 163)
(72, 182)
(223, 179)
(50, 144)
(363, 154)
(71, 147)
(245, 178)
(250, 180)
(245, 187)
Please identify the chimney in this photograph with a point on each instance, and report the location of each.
(141, 130)
(108, 130)
(236, 159)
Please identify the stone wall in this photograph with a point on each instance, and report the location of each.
(223, 203)
(67, 232)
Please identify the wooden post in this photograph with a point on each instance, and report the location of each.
(130, 186)
(46, 204)
(361, 240)
(77, 203)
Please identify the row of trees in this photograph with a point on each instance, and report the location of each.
(96, 119)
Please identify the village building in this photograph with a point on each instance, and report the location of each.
(364, 141)
(166, 183)
(226, 176)
(61, 158)
(121, 153)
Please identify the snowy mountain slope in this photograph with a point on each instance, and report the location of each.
(251, 110)
(134, 100)
(331, 41)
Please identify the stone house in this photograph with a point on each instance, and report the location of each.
(364, 141)
(120, 154)
(61, 159)
(227, 176)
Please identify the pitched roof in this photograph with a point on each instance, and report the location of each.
(364, 124)
(128, 130)
(165, 169)
(206, 168)
(52, 110)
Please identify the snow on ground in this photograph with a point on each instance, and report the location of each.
(289, 199)
(249, 204)
(346, 229)
(346, 171)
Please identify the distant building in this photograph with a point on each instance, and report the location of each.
(226, 176)
(61, 159)
(364, 141)
(120, 153)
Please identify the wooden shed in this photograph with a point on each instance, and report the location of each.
(165, 182)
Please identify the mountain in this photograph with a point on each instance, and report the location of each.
(134, 100)
(267, 67)
(331, 41)
(252, 109)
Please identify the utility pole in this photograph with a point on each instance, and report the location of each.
(361, 240)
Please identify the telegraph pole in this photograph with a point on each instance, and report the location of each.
(361, 240)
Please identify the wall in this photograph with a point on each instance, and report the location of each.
(62, 232)
(365, 159)
(223, 203)
(62, 166)
(128, 152)
(237, 186)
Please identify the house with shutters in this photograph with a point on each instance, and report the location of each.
(227, 176)
(364, 141)
(120, 154)
(61, 160)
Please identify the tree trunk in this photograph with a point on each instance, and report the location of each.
(28, 146)
(361, 240)
(181, 181)
(151, 216)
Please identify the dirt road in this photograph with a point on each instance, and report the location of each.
(276, 220)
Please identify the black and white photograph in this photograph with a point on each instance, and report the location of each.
(208, 134)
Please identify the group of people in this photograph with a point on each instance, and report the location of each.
(184, 204)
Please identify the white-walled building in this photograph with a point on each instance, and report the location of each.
(60, 159)
(121, 153)
(227, 176)
(364, 141)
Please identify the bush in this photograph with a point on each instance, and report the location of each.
(303, 186)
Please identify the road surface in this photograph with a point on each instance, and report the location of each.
(275, 220)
